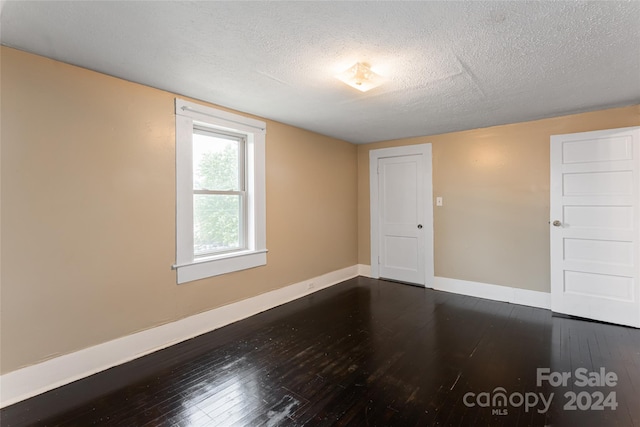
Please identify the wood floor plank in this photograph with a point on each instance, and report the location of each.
(362, 353)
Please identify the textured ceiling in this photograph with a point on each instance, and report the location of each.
(450, 65)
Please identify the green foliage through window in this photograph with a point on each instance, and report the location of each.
(217, 218)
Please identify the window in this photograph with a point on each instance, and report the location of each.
(220, 212)
(219, 192)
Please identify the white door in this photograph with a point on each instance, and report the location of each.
(595, 225)
(402, 232)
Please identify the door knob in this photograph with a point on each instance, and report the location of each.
(557, 223)
(420, 226)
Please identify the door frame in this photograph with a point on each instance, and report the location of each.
(408, 150)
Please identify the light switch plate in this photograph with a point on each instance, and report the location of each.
(438, 201)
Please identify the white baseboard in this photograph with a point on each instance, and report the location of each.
(364, 270)
(483, 290)
(494, 292)
(36, 379)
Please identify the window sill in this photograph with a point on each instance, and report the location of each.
(221, 264)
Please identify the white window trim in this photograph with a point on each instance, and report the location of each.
(189, 268)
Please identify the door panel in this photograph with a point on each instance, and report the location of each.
(599, 217)
(602, 252)
(599, 285)
(595, 232)
(399, 189)
(598, 184)
(597, 150)
(401, 252)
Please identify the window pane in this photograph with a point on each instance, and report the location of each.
(216, 163)
(216, 223)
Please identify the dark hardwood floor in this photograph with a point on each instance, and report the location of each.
(366, 353)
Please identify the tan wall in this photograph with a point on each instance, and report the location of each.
(88, 211)
(88, 201)
(493, 225)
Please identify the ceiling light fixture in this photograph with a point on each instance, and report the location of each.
(360, 77)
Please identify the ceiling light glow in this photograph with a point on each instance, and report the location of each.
(361, 77)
